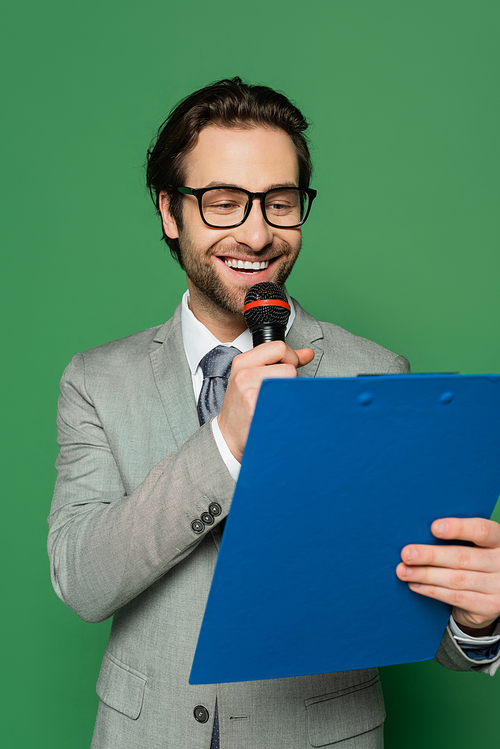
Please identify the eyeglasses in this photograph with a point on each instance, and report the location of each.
(228, 207)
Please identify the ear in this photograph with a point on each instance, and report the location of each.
(169, 223)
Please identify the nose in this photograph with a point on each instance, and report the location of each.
(255, 232)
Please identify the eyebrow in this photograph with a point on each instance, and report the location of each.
(274, 186)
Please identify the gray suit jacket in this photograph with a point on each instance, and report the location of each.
(134, 470)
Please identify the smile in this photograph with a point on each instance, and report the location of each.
(245, 265)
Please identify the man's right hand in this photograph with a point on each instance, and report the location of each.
(272, 359)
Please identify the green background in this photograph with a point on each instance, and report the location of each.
(401, 247)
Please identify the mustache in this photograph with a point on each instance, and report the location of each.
(275, 248)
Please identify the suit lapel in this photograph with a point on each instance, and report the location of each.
(304, 333)
(173, 379)
(175, 385)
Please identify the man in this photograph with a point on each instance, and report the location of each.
(145, 476)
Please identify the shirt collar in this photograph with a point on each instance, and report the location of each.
(198, 340)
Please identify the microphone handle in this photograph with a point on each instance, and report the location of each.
(268, 332)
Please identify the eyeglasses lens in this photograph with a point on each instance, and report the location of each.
(226, 207)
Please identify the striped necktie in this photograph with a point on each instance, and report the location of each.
(216, 368)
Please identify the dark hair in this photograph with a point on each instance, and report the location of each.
(230, 103)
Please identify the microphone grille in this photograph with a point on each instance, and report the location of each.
(257, 312)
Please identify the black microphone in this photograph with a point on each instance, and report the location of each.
(266, 312)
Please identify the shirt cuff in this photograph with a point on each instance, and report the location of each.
(227, 456)
(484, 647)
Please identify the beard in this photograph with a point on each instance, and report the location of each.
(214, 291)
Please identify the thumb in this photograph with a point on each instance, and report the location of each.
(305, 355)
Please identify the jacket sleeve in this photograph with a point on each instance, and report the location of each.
(106, 547)
(450, 655)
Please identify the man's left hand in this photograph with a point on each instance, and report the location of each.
(466, 577)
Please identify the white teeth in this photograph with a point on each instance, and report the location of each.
(246, 265)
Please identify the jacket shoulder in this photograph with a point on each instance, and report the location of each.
(119, 361)
(131, 347)
(345, 354)
(135, 344)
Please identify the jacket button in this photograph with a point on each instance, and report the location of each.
(198, 526)
(201, 714)
(207, 518)
(215, 509)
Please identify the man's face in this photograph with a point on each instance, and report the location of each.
(257, 160)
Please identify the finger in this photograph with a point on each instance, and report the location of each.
(268, 353)
(252, 378)
(484, 533)
(452, 557)
(479, 605)
(479, 582)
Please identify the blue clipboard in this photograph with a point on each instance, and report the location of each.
(338, 475)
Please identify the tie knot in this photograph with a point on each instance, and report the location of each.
(217, 363)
